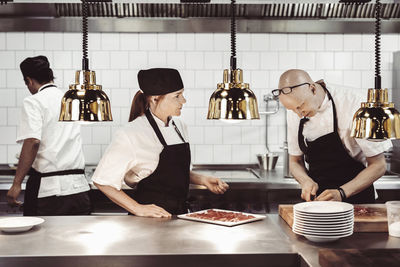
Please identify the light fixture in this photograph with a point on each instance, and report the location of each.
(377, 119)
(233, 99)
(85, 101)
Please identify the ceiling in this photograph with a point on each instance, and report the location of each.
(172, 16)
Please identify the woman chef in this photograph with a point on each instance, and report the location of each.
(152, 153)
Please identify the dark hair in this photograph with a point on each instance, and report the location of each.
(37, 68)
(140, 104)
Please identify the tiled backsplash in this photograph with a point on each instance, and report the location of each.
(341, 59)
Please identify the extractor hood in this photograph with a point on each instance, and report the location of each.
(329, 16)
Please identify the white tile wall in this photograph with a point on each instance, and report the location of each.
(116, 58)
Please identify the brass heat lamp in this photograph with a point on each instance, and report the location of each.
(85, 101)
(377, 119)
(233, 99)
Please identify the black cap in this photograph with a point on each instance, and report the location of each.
(37, 68)
(159, 81)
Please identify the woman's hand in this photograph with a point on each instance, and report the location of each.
(309, 190)
(151, 210)
(330, 195)
(215, 185)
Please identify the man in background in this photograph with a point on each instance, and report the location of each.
(51, 150)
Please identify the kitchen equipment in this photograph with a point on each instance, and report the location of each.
(224, 222)
(374, 220)
(267, 161)
(19, 224)
(359, 257)
(393, 215)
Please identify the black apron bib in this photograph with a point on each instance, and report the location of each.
(33, 183)
(330, 165)
(168, 185)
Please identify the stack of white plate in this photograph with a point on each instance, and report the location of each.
(323, 221)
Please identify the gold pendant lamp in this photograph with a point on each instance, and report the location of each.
(377, 119)
(233, 99)
(85, 101)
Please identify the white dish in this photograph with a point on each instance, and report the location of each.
(336, 228)
(319, 239)
(330, 218)
(322, 231)
(19, 224)
(256, 218)
(323, 215)
(334, 234)
(323, 207)
(326, 221)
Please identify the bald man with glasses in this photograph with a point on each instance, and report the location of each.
(326, 161)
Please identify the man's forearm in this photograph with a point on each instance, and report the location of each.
(376, 168)
(298, 169)
(28, 154)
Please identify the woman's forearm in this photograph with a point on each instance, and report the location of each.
(119, 197)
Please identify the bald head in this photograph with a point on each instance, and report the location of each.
(293, 77)
(306, 96)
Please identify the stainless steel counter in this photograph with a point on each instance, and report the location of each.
(135, 241)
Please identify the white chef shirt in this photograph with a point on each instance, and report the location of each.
(60, 143)
(134, 151)
(347, 102)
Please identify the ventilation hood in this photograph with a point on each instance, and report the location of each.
(255, 16)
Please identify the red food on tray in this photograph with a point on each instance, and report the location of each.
(223, 216)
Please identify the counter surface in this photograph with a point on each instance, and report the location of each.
(137, 236)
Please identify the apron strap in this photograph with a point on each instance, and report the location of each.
(300, 136)
(155, 127)
(57, 173)
(179, 133)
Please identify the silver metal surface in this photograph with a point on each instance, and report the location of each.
(167, 16)
(115, 237)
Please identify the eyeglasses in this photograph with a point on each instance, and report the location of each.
(286, 90)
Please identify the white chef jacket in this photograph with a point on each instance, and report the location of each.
(60, 143)
(347, 102)
(134, 151)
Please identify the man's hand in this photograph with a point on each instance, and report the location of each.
(309, 190)
(330, 195)
(13, 194)
(215, 185)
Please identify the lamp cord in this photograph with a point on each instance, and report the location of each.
(378, 44)
(233, 35)
(85, 60)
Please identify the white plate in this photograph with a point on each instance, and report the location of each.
(322, 233)
(310, 227)
(320, 239)
(333, 234)
(323, 207)
(327, 218)
(19, 224)
(323, 215)
(256, 218)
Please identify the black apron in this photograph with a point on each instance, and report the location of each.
(33, 183)
(330, 165)
(168, 185)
